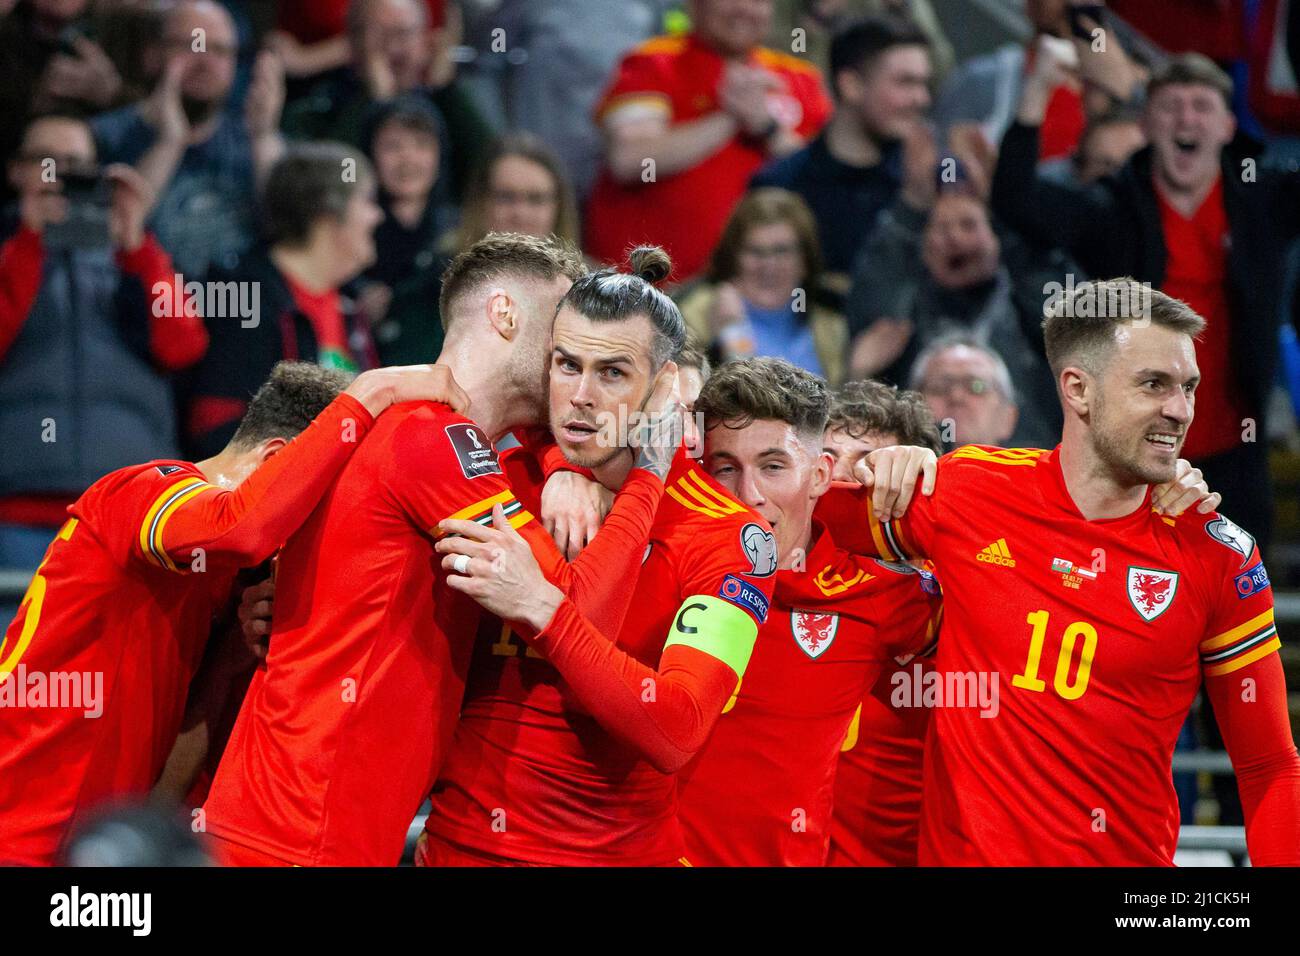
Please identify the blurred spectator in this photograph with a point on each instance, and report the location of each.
(547, 79)
(1105, 146)
(867, 415)
(688, 120)
(880, 75)
(399, 293)
(820, 20)
(200, 155)
(937, 266)
(394, 49)
(759, 297)
(969, 390)
(1195, 216)
(987, 88)
(318, 234)
(84, 346)
(310, 36)
(519, 186)
(136, 836)
(1178, 26)
(50, 64)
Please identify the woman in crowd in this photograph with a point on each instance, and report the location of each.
(398, 295)
(520, 187)
(282, 301)
(761, 293)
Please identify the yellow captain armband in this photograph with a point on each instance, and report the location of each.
(717, 628)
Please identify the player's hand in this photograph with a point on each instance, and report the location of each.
(382, 387)
(658, 434)
(495, 566)
(573, 507)
(255, 617)
(891, 474)
(1188, 488)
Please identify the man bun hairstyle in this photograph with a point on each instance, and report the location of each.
(287, 402)
(1079, 325)
(744, 391)
(870, 407)
(612, 296)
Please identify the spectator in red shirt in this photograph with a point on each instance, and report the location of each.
(688, 120)
(1196, 215)
(84, 358)
(319, 214)
(985, 89)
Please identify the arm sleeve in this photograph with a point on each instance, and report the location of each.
(243, 527)
(887, 274)
(539, 443)
(22, 260)
(846, 510)
(177, 337)
(1047, 213)
(816, 103)
(1245, 684)
(446, 473)
(1251, 710)
(600, 580)
(666, 713)
(911, 611)
(638, 81)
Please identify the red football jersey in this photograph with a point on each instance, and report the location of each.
(340, 737)
(685, 211)
(531, 777)
(114, 624)
(760, 792)
(1094, 638)
(877, 818)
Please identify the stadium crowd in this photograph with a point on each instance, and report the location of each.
(846, 224)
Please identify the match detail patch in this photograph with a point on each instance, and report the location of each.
(475, 453)
(1252, 581)
(1233, 537)
(744, 595)
(760, 548)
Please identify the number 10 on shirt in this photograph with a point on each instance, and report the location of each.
(1061, 683)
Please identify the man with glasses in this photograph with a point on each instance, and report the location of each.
(200, 155)
(969, 390)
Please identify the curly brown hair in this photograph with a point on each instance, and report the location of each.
(870, 407)
(755, 389)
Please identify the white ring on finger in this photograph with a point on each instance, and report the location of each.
(461, 564)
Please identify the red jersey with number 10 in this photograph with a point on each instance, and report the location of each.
(1095, 637)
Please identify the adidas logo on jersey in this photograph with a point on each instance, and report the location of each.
(997, 553)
